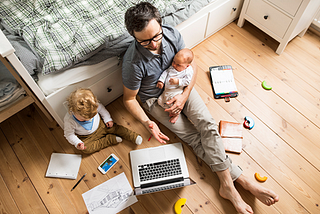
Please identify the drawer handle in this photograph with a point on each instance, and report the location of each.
(109, 89)
(266, 17)
(234, 9)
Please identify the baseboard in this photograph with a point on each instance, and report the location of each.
(314, 29)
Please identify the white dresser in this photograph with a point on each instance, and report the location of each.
(209, 20)
(281, 19)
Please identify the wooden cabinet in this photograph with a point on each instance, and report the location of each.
(281, 19)
(6, 50)
(209, 20)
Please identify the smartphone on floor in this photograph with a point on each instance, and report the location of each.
(108, 163)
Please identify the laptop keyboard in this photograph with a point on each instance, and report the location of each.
(159, 169)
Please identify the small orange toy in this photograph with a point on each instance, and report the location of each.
(259, 178)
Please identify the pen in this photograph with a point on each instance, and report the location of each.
(78, 182)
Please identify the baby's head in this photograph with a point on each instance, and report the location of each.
(83, 104)
(182, 59)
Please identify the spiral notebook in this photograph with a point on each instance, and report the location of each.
(63, 165)
(222, 81)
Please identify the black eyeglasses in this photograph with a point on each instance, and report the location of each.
(148, 41)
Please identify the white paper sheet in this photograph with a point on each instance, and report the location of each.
(110, 197)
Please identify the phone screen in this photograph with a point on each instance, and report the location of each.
(108, 163)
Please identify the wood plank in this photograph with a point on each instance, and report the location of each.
(283, 127)
(299, 67)
(250, 163)
(300, 96)
(15, 107)
(7, 204)
(236, 111)
(17, 181)
(35, 164)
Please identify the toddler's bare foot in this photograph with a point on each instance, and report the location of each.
(266, 196)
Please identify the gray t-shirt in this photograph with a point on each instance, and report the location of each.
(141, 69)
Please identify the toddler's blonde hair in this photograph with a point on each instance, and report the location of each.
(83, 102)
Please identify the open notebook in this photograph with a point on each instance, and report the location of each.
(64, 165)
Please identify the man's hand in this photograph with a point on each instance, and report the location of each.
(174, 81)
(178, 102)
(109, 124)
(81, 146)
(155, 131)
(160, 84)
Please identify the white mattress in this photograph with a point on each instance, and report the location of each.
(55, 81)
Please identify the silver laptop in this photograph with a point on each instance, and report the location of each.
(159, 168)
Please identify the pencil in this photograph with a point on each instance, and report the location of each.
(78, 182)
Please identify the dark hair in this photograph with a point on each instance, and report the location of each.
(137, 17)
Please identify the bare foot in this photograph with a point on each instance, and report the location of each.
(230, 193)
(266, 196)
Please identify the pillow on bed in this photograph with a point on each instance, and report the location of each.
(174, 14)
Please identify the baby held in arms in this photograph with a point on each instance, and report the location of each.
(175, 78)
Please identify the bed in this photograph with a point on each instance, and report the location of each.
(60, 45)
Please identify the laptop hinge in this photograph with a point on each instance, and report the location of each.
(161, 182)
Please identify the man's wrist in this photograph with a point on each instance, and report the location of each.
(146, 123)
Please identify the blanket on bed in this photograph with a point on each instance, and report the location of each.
(64, 32)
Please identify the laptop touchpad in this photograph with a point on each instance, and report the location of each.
(157, 154)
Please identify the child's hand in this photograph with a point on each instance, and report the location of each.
(81, 146)
(109, 124)
(174, 81)
(160, 84)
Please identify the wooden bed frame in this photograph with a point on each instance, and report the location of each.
(107, 85)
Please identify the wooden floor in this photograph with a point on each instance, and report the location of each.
(284, 145)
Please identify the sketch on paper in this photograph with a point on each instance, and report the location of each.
(111, 196)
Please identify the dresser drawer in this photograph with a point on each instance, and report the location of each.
(109, 88)
(198, 27)
(268, 17)
(290, 6)
(222, 15)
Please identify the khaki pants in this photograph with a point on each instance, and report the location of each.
(104, 137)
(198, 129)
